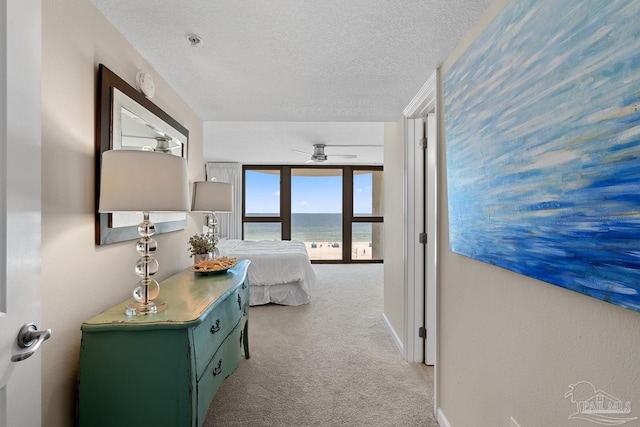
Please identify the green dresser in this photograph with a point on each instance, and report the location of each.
(164, 369)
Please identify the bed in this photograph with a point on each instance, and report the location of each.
(280, 271)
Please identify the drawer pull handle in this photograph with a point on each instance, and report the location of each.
(244, 285)
(239, 302)
(218, 369)
(244, 311)
(216, 328)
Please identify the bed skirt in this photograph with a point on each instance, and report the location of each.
(284, 294)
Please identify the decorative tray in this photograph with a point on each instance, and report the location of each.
(213, 266)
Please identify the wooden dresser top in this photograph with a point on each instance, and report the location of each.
(190, 296)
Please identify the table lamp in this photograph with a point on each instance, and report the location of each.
(144, 181)
(211, 197)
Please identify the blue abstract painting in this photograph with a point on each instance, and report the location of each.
(542, 122)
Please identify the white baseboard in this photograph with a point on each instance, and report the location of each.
(395, 336)
(442, 420)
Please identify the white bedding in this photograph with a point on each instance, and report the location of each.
(280, 271)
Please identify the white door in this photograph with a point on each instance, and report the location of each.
(20, 147)
(431, 186)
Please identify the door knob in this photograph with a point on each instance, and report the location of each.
(30, 338)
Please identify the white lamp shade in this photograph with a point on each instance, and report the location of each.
(209, 196)
(143, 181)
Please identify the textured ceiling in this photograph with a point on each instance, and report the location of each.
(295, 60)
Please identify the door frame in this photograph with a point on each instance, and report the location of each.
(426, 101)
(431, 227)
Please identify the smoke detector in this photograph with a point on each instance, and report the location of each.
(194, 40)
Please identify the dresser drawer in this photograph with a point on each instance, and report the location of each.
(214, 329)
(223, 364)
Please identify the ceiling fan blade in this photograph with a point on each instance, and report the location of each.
(301, 152)
(139, 136)
(344, 156)
(354, 145)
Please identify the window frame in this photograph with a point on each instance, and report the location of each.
(283, 220)
(348, 216)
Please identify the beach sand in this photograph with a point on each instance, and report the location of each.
(324, 250)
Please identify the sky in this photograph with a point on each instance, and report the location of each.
(309, 194)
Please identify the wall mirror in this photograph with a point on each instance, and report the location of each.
(126, 120)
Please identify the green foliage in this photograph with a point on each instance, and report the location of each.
(201, 244)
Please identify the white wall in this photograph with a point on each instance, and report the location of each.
(510, 346)
(393, 227)
(80, 279)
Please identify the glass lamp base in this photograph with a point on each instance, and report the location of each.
(142, 309)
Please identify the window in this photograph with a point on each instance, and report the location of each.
(262, 230)
(262, 193)
(337, 211)
(261, 204)
(316, 211)
(367, 215)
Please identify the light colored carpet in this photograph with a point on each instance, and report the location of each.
(329, 363)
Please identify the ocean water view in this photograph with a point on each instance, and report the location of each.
(310, 227)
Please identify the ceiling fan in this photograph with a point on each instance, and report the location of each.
(136, 130)
(164, 143)
(319, 156)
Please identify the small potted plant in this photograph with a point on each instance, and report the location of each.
(202, 246)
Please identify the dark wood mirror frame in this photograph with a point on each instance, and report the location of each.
(107, 80)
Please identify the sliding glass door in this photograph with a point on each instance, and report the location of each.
(316, 211)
